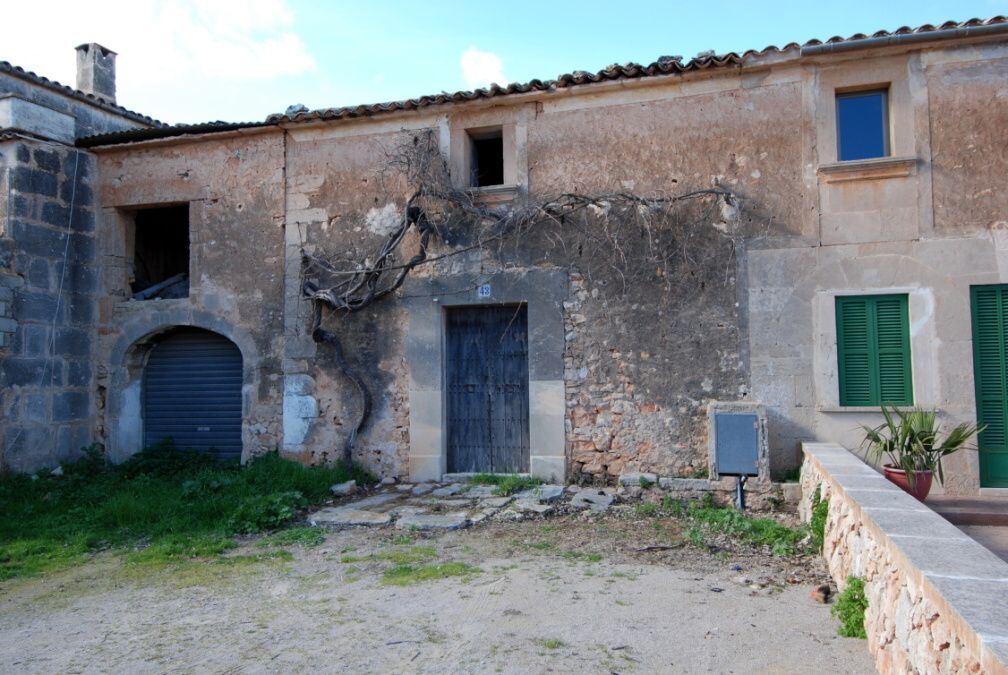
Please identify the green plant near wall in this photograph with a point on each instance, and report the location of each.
(850, 607)
(909, 439)
(817, 523)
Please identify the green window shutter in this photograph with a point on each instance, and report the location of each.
(893, 342)
(873, 347)
(853, 348)
(989, 316)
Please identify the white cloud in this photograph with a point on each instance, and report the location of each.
(480, 69)
(173, 55)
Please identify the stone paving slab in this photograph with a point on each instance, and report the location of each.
(376, 500)
(448, 490)
(593, 498)
(433, 521)
(454, 505)
(346, 517)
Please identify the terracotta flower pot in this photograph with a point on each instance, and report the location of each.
(922, 481)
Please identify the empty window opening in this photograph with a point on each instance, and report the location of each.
(487, 157)
(161, 253)
(862, 125)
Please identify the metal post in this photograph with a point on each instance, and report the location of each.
(740, 493)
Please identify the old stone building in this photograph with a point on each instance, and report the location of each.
(815, 229)
(49, 265)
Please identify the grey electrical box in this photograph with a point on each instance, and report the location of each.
(736, 443)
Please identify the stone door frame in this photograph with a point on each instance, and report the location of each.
(543, 292)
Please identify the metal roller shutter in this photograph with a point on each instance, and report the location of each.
(192, 393)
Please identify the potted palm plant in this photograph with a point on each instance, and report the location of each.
(909, 440)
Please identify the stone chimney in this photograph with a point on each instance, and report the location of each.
(96, 71)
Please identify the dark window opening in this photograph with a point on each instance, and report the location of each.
(161, 253)
(862, 125)
(487, 158)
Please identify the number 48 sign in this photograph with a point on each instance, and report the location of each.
(484, 291)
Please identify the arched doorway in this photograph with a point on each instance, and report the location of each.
(192, 393)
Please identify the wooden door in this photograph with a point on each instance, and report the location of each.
(486, 373)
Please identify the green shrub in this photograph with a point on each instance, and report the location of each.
(850, 607)
(265, 512)
(817, 522)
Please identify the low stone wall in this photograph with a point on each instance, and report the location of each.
(937, 600)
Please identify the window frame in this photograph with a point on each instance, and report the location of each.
(873, 349)
(475, 136)
(884, 92)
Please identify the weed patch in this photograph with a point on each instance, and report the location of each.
(398, 557)
(406, 575)
(295, 536)
(850, 607)
(551, 643)
(164, 505)
(817, 522)
(581, 556)
(791, 475)
(646, 509)
(759, 531)
(507, 484)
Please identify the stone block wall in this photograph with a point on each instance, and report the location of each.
(48, 281)
(932, 591)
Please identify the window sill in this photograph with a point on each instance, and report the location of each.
(867, 169)
(493, 194)
(835, 408)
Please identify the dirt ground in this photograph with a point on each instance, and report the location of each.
(560, 595)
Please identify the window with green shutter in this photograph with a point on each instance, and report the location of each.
(873, 349)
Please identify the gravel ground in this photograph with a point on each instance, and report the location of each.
(566, 594)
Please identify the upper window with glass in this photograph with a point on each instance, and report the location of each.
(862, 124)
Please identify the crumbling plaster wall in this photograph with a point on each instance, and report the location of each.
(235, 191)
(969, 116)
(641, 368)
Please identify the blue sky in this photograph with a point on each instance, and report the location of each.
(190, 61)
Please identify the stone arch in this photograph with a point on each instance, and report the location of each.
(128, 354)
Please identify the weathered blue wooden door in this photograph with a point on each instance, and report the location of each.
(487, 389)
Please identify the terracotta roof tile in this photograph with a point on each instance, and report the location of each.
(97, 101)
(661, 67)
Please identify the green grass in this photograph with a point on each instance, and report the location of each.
(406, 575)
(507, 484)
(850, 607)
(397, 557)
(162, 505)
(581, 556)
(817, 522)
(759, 531)
(551, 643)
(646, 509)
(306, 537)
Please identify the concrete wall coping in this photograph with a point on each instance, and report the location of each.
(968, 578)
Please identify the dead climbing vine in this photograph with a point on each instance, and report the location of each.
(617, 240)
